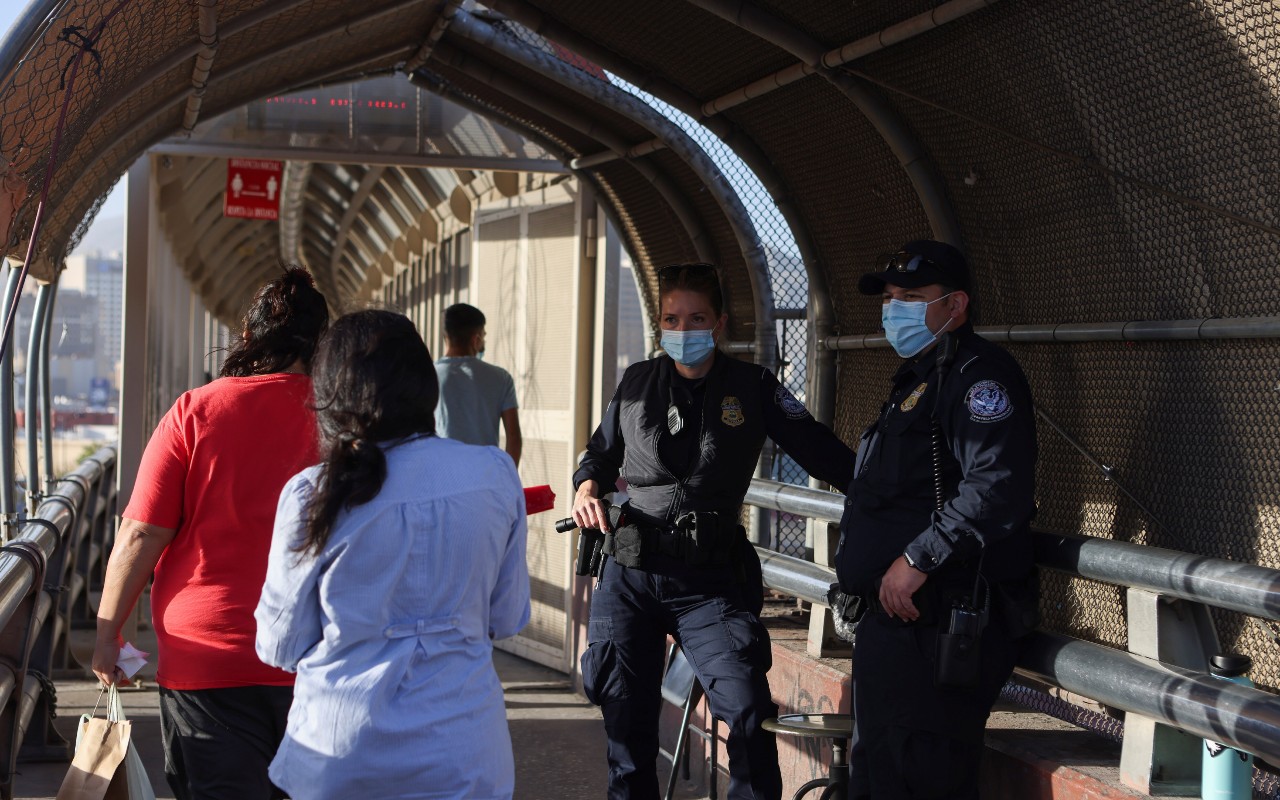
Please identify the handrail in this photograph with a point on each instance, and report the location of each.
(1242, 717)
(1234, 585)
(35, 603)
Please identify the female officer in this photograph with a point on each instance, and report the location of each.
(686, 432)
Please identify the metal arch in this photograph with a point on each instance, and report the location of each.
(253, 237)
(370, 177)
(417, 178)
(470, 27)
(412, 200)
(358, 248)
(369, 215)
(391, 204)
(680, 205)
(325, 175)
(603, 198)
(218, 284)
(297, 175)
(241, 232)
(312, 224)
(171, 101)
(407, 194)
(821, 395)
(893, 129)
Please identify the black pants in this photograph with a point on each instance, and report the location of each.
(218, 743)
(913, 741)
(712, 613)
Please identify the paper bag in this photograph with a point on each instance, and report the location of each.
(106, 765)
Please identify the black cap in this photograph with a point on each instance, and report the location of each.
(920, 263)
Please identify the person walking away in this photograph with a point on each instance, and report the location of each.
(200, 520)
(394, 565)
(474, 395)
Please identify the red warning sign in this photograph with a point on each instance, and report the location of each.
(253, 188)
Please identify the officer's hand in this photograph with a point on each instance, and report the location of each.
(588, 509)
(896, 588)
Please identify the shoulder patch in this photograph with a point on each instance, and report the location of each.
(790, 406)
(988, 401)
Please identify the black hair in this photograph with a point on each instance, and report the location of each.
(284, 321)
(462, 321)
(373, 382)
(696, 277)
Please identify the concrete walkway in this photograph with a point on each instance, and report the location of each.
(557, 735)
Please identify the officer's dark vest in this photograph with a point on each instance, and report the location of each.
(732, 433)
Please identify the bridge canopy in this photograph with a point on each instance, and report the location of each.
(1111, 170)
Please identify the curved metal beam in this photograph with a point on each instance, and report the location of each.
(822, 372)
(677, 141)
(367, 181)
(893, 129)
(603, 198)
(498, 79)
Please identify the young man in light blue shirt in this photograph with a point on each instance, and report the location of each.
(474, 395)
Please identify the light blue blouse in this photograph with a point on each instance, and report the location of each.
(390, 629)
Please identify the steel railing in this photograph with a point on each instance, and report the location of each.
(1242, 717)
(47, 569)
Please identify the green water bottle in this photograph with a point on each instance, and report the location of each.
(1227, 772)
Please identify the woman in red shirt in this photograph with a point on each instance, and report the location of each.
(200, 518)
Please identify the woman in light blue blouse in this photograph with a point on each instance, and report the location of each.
(394, 564)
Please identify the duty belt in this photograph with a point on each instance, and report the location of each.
(697, 538)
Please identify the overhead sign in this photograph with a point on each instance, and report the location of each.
(253, 188)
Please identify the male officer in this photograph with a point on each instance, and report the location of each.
(935, 536)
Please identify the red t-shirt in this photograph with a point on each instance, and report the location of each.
(213, 471)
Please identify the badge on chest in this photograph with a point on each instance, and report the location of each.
(914, 397)
(731, 411)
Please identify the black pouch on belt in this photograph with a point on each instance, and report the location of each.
(706, 538)
(627, 545)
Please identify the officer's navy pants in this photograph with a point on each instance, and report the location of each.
(709, 610)
(914, 741)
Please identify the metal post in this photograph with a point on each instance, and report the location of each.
(1156, 758)
(46, 393)
(35, 344)
(7, 466)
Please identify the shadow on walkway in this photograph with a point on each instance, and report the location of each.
(557, 735)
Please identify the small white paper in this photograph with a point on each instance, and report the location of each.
(131, 659)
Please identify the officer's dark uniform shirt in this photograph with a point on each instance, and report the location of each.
(988, 470)
(709, 465)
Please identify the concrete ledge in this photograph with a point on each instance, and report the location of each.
(1029, 754)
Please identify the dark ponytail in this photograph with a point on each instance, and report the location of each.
(283, 324)
(373, 382)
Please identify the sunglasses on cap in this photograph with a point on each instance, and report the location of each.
(908, 262)
(696, 269)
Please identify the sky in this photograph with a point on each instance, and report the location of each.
(108, 227)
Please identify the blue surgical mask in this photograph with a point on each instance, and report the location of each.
(905, 328)
(480, 355)
(689, 348)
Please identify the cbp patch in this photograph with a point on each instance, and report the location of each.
(988, 401)
(790, 406)
(731, 411)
